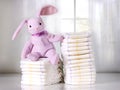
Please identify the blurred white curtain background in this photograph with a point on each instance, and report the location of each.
(105, 22)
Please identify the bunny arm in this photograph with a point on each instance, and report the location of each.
(55, 38)
(27, 49)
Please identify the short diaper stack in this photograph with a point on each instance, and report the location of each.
(79, 67)
(40, 72)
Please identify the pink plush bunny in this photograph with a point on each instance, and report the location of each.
(40, 44)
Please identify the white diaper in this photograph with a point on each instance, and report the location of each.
(79, 68)
(77, 40)
(71, 49)
(80, 74)
(79, 83)
(33, 70)
(34, 76)
(76, 44)
(77, 35)
(77, 53)
(78, 61)
(78, 58)
(40, 72)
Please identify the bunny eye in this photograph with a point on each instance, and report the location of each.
(40, 23)
(30, 26)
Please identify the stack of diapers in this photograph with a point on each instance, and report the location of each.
(79, 66)
(40, 72)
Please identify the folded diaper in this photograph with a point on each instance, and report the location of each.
(78, 53)
(77, 65)
(76, 40)
(87, 81)
(34, 73)
(80, 68)
(34, 76)
(79, 61)
(80, 83)
(78, 58)
(76, 44)
(34, 83)
(78, 35)
(71, 49)
(32, 70)
(40, 72)
(81, 77)
(26, 65)
(80, 74)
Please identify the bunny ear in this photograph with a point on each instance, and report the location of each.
(48, 10)
(19, 29)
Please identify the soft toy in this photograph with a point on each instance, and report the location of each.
(40, 44)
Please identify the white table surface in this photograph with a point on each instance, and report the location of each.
(105, 81)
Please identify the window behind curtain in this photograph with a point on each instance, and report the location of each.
(68, 12)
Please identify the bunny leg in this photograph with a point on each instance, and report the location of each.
(52, 56)
(34, 56)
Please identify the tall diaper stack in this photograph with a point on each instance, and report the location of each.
(40, 72)
(79, 66)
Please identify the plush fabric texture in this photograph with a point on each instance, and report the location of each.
(48, 10)
(40, 44)
(78, 58)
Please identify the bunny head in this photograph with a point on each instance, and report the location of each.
(36, 25)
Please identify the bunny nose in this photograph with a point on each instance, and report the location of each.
(37, 28)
